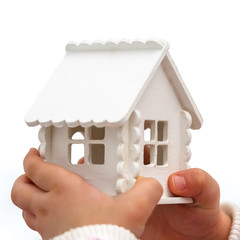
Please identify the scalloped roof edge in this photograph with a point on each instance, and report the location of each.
(117, 45)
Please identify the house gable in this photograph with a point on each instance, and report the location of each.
(181, 90)
(163, 114)
(159, 98)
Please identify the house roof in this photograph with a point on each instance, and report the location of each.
(99, 84)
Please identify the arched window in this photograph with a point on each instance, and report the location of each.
(87, 145)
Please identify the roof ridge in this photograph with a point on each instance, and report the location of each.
(124, 44)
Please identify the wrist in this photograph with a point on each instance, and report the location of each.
(220, 230)
(233, 211)
(223, 227)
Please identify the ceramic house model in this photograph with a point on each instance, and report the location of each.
(107, 102)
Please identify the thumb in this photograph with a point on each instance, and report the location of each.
(197, 184)
(145, 195)
(147, 190)
(139, 203)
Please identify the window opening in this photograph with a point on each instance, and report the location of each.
(78, 136)
(96, 133)
(76, 133)
(148, 154)
(155, 142)
(96, 153)
(149, 130)
(86, 139)
(162, 130)
(161, 155)
(76, 154)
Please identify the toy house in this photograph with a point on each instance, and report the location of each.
(110, 103)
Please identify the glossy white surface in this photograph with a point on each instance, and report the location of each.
(88, 85)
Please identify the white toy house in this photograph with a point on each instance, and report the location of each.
(107, 102)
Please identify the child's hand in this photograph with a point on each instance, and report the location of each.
(202, 220)
(55, 200)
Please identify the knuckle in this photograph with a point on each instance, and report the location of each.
(30, 163)
(208, 188)
(14, 195)
(16, 190)
(205, 178)
(199, 175)
(29, 166)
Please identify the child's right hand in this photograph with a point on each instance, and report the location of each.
(202, 220)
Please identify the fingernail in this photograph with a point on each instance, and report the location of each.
(179, 182)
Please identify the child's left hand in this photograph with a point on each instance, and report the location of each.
(55, 200)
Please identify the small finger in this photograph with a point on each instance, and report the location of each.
(42, 173)
(26, 195)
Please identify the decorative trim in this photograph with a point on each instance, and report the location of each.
(70, 124)
(43, 135)
(187, 134)
(134, 140)
(128, 153)
(122, 154)
(43, 144)
(124, 44)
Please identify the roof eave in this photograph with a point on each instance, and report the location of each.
(182, 92)
(124, 44)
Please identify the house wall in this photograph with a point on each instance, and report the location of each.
(102, 176)
(161, 103)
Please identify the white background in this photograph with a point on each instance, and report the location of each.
(205, 45)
